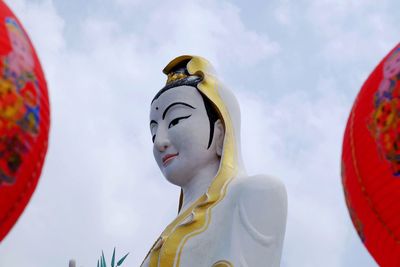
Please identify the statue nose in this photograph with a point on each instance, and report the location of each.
(162, 143)
(163, 147)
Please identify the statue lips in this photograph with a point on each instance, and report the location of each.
(168, 158)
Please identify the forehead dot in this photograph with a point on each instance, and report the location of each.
(156, 108)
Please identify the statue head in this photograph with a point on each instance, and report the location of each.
(195, 123)
(186, 127)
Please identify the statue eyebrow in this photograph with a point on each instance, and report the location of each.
(173, 104)
(153, 121)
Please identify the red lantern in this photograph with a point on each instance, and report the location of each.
(24, 119)
(371, 162)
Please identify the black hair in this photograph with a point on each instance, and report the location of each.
(213, 116)
(192, 80)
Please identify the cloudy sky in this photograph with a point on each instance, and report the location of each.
(295, 66)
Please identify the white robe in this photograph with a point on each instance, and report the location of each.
(246, 229)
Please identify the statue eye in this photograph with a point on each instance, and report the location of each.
(176, 121)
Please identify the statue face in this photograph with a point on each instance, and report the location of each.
(180, 130)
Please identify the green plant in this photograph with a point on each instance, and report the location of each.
(102, 261)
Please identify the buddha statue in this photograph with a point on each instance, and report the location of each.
(225, 217)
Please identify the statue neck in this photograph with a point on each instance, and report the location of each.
(199, 184)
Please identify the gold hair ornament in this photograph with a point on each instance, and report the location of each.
(174, 76)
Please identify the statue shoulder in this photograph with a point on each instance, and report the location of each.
(261, 189)
(262, 205)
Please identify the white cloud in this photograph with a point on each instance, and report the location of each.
(283, 13)
(210, 27)
(353, 31)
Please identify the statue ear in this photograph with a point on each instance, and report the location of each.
(219, 134)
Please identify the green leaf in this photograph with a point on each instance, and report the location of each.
(122, 259)
(103, 259)
(113, 259)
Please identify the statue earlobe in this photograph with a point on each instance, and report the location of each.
(219, 133)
